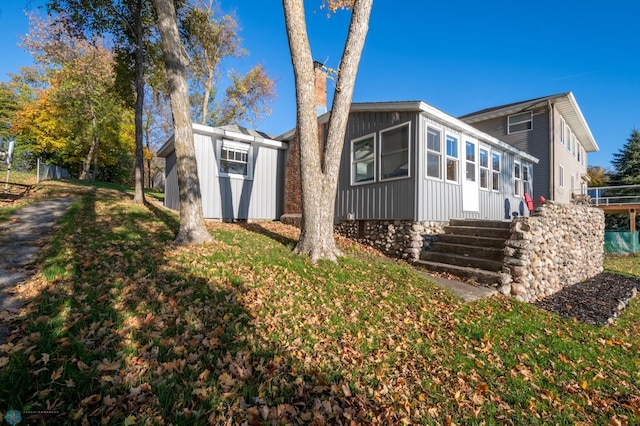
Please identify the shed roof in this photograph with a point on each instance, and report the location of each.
(233, 131)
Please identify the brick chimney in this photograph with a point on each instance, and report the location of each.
(292, 183)
(321, 88)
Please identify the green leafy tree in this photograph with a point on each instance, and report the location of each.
(626, 162)
(210, 38)
(598, 176)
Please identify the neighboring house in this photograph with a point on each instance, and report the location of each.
(240, 173)
(410, 161)
(553, 129)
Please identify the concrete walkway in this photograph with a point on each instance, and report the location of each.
(20, 246)
(467, 292)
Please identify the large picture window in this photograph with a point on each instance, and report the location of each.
(434, 153)
(495, 171)
(394, 152)
(235, 159)
(452, 158)
(520, 122)
(363, 159)
(484, 169)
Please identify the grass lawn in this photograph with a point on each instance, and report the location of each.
(125, 328)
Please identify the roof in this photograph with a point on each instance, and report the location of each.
(422, 107)
(234, 132)
(565, 103)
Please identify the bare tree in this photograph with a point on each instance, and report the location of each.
(192, 229)
(320, 167)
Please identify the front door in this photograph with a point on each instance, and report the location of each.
(470, 191)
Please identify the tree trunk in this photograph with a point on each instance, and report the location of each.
(86, 165)
(208, 85)
(192, 229)
(319, 169)
(138, 196)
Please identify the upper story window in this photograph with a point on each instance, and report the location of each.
(434, 153)
(520, 122)
(394, 152)
(235, 159)
(452, 158)
(495, 171)
(484, 169)
(563, 139)
(363, 159)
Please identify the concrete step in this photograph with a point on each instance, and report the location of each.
(472, 240)
(462, 260)
(486, 232)
(480, 276)
(474, 249)
(480, 223)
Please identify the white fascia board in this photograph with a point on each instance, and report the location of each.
(583, 123)
(215, 131)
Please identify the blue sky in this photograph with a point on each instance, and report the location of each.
(459, 56)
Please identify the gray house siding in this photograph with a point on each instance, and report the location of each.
(534, 142)
(171, 198)
(256, 197)
(380, 200)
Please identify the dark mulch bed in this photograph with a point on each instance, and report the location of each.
(595, 301)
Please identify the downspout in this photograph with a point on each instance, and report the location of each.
(552, 186)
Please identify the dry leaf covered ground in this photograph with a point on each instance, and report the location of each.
(123, 327)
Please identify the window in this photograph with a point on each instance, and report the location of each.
(470, 173)
(520, 122)
(394, 152)
(573, 183)
(495, 171)
(579, 153)
(573, 144)
(561, 176)
(526, 179)
(452, 158)
(517, 180)
(363, 156)
(434, 153)
(235, 159)
(563, 141)
(484, 168)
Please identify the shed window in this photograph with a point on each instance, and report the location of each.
(394, 152)
(434, 153)
(484, 169)
(363, 160)
(520, 122)
(452, 158)
(235, 159)
(495, 171)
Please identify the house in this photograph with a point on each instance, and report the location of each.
(240, 173)
(408, 161)
(553, 129)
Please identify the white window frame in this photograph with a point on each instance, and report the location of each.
(240, 147)
(563, 140)
(520, 119)
(408, 149)
(455, 160)
(561, 176)
(470, 162)
(526, 179)
(495, 173)
(517, 179)
(435, 153)
(354, 162)
(485, 168)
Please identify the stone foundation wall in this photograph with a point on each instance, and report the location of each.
(557, 246)
(404, 239)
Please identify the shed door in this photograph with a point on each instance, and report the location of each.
(470, 190)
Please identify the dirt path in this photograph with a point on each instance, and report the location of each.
(20, 244)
